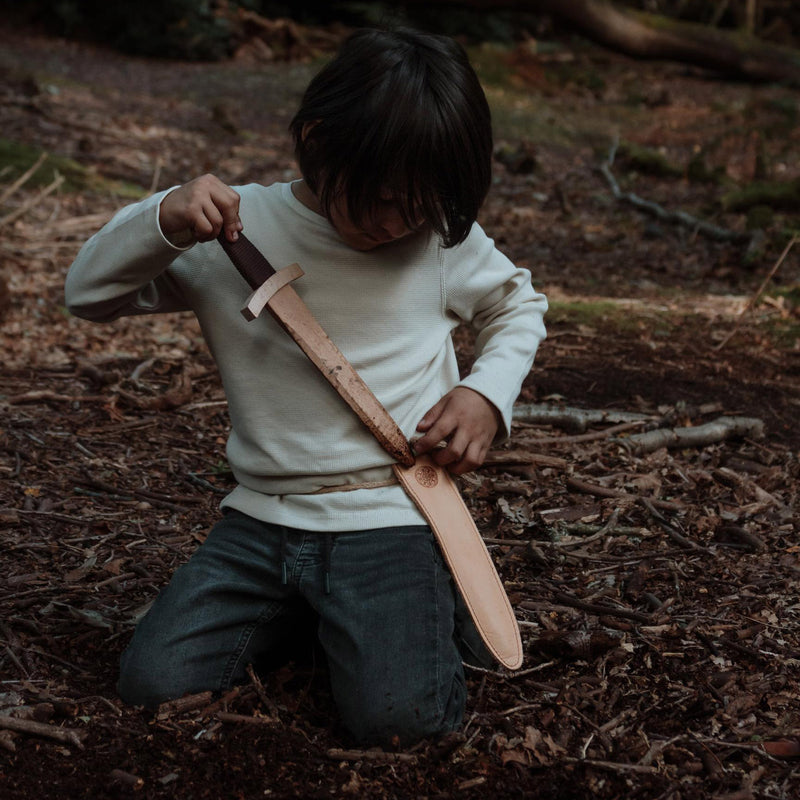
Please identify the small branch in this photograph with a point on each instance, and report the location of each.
(697, 436)
(601, 609)
(576, 420)
(338, 754)
(22, 179)
(29, 726)
(34, 201)
(581, 438)
(670, 530)
(227, 716)
(189, 702)
(754, 299)
(44, 395)
(604, 491)
(655, 210)
(498, 457)
(261, 692)
(121, 778)
(611, 765)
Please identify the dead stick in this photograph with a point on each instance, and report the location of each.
(602, 609)
(119, 777)
(604, 491)
(27, 206)
(44, 394)
(754, 299)
(261, 692)
(367, 755)
(227, 716)
(499, 457)
(588, 437)
(22, 179)
(611, 765)
(189, 702)
(670, 530)
(64, 735)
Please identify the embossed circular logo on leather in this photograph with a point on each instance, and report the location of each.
(426, 476)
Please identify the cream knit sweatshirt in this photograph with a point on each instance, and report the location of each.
(391, 312)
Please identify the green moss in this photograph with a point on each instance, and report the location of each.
(697, 171)
(16, 158)
(783, 333)
(607, 315)
(648, 161)
(775, 194)
(759, 217)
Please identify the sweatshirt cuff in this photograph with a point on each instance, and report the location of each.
(503, 408)
(182, 240)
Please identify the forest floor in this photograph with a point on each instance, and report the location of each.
(656, 589)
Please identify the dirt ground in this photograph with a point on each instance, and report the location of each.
(656, 587)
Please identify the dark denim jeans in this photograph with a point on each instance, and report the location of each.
(383, 603)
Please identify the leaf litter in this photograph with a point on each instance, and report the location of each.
(656, 589)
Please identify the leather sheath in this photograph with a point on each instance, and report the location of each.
(429, 486)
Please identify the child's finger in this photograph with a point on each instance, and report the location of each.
(207, 222)
(227, 202)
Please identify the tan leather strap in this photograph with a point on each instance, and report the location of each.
(438, 499)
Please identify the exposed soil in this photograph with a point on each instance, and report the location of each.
(657, 591)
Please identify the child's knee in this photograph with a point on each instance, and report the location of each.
(389, 721)
(141, 682)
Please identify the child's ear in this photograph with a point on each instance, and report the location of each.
(307, 128)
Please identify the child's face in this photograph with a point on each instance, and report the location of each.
(384, 225)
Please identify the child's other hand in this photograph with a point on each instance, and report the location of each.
(203, 207)
(467, 422)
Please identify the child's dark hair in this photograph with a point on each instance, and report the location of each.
(402, 113)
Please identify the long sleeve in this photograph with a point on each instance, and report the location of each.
(485, 289)
(122, 269)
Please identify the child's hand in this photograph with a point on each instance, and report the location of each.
(464, 419)
(203, 207)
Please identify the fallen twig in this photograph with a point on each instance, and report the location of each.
(576, 420)
(698, 436)
(227, 716)
(43, 395)
(602, 609)
(190, 702)
(498, 457)
(9, 190)
(368, 755)
(611, 765)
(118, 777)
(655, 210)
(581, 438)
(261, 692)
(29, 204)
(754, 299)
(670, 530)
(29, 726)
(605, 491)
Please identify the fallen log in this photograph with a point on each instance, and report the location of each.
(655, 37)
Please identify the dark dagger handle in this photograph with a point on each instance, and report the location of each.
(248, 259)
